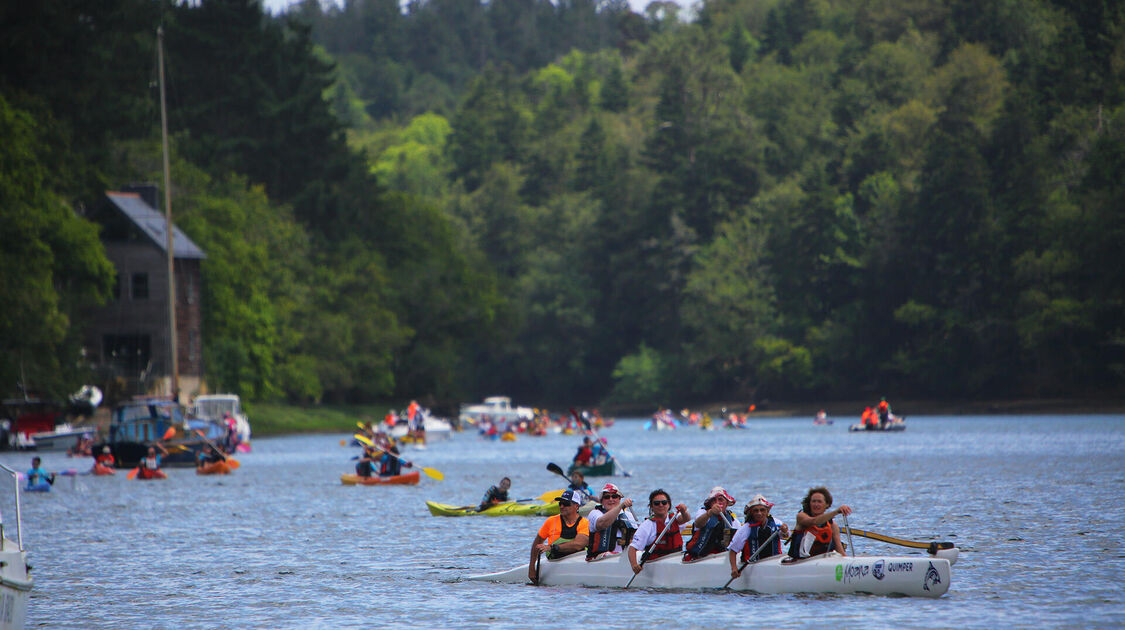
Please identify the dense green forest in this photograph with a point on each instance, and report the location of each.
(570, 202)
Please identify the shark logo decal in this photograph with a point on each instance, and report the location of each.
(932, 577)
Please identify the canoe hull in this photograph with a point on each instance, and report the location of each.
(914, 576)
(103, 471)
(409, 479)
(601, 470)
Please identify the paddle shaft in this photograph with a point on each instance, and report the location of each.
(914, 544)
(644, 557)
(760, 548)
(849, 530)
(214, 446)
(368, 442)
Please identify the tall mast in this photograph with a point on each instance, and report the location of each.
(168, 222)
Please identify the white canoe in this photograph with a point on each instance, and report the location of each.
(916, 576)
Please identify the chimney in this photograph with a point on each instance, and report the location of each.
(146, 191)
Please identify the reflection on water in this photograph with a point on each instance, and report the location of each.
(1034, 502)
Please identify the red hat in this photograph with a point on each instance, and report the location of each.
(610, 488)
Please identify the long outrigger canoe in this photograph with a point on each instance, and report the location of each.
(914, 576)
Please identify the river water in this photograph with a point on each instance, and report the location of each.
(1034, 503)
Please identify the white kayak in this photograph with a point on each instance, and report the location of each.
(915, 576)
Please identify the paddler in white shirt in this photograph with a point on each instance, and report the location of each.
(714, 526)
(659, 505)
(754, 533)
(611, 526)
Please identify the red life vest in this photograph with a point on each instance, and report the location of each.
(822, 544)
(672, 542)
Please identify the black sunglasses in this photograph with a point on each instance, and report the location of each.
(566, 503)
(661, 502)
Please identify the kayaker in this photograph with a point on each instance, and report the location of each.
(598, 453)
(754, 533)
(584, 454)
(611, 526)
(496, 494)
(659, 505)
(884, 413)
(105, 458)
(208, 456)
(714, 525)
(36, 475)
(816, 533)
(561, 534)
(390, 464)
(149, 466)
(365, 467)
(579, 485)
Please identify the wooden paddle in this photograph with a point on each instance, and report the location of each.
(931, 547)
(590, 428)
(432, 473)
(232, 462)
(760, 548)
(672, 516)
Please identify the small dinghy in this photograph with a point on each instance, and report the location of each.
(409, 479)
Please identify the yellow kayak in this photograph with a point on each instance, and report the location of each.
(512, 508)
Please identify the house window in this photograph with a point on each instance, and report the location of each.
(140, 286)
(128, 353)
(117, 287)
(190, 290)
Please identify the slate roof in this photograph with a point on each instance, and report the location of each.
(153, 225)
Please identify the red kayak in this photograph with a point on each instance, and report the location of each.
(103, 470)
(148, 473)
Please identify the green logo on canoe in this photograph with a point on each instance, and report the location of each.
(839, 572)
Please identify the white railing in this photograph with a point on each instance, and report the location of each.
(19, 517)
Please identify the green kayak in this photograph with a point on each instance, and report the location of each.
(601, 470)
(513, 508)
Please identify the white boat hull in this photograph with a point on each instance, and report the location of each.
(915, 576)
(15, 587)
(433, 427)
(60, 439)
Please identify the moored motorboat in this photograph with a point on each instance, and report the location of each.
(512, 508)
(15, 577)
(915, 576)
(408, 479)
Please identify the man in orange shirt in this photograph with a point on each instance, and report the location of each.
(560, 535)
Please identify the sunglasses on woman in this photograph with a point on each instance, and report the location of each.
(661, 502)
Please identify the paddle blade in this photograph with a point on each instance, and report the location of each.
(433, 473)
(133, 473)
(360, 425)
(553, 467)
(169, 434)
(233, 463)
(363, 439)
(547, 497)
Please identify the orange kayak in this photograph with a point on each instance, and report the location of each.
(103, 470)
(410, 478)
(214, 468)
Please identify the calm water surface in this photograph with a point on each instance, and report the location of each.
(1036, 504)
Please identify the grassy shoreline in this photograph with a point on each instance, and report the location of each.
(268, 419)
